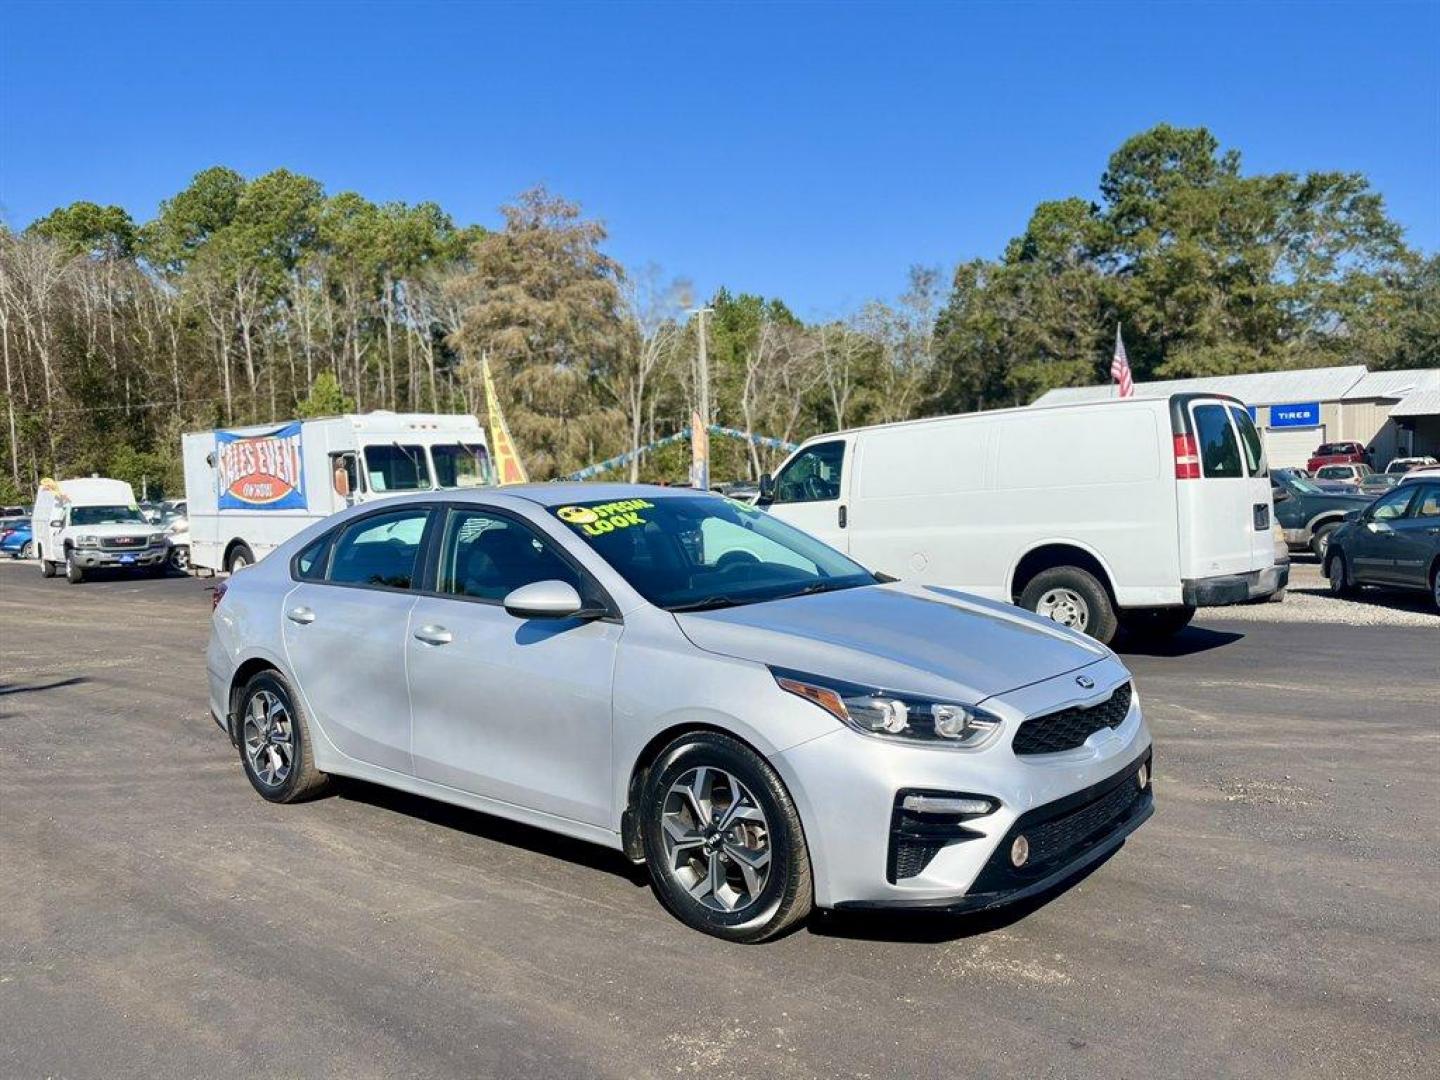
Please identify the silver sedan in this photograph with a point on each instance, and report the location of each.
(761, 721)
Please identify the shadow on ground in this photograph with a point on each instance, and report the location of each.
(1191, 640)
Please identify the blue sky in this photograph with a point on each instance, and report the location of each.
(809, 151)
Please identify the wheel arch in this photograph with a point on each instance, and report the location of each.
(1324, 518)
(1048, 554)
(245, 671)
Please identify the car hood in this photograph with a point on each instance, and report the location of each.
(899, 637)
(132, 528)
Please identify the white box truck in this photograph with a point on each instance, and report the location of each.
(93, 523)
(250, 489)
(1126, 512)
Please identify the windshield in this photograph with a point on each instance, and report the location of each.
(105, 515)
(396, 468)
(688, 553)
(461, 466)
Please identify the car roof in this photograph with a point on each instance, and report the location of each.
(558, 494)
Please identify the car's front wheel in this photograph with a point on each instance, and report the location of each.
(180, 558)
(723, 841)
(1338, 572)
(74, 572)
(275, 741)
(1320, 541)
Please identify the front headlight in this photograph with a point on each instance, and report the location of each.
(910, 718)
(86, 541)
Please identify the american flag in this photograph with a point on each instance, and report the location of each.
(1120, 367)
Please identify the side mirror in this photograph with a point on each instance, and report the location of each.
(1353, 515)
(1280, 494)
(548, 600)
(57, 523)
(767, 488)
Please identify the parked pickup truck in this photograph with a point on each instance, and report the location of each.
(1308, 514)
(1338, 453)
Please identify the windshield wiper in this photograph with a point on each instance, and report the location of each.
(710, 602)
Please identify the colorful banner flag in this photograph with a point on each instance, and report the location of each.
(260, 472)
(699, 453)
(1120, 367)
(508, 468)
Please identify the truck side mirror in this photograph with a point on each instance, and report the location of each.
(57, 523)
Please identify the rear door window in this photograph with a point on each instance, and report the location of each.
(1219, 449)
(1250, 444)
(381, 550)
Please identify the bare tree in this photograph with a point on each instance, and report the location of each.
(651, 312)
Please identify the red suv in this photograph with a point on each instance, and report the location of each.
(1338, 453)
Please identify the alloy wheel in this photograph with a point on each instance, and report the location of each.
(717, 841)
(269, 735)
(1065, 606)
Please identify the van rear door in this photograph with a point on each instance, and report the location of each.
(1224, 501)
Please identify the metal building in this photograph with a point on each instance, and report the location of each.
(1395, 413)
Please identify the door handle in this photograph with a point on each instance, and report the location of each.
(842, 517)
(434, 635)
(301, 615)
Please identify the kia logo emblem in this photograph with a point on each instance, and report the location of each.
(1085, 682)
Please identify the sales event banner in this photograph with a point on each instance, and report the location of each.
(260, 472)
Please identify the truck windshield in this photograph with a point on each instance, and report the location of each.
(461, 466)
(396, 468)
(105, 515)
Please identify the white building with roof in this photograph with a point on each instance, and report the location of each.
(1395, 413)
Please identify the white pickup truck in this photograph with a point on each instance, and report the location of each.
(90, 524)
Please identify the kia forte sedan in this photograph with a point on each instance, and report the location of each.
(761, 721)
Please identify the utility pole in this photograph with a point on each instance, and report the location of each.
(701, 438)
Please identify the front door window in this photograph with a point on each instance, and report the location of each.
(813, 475)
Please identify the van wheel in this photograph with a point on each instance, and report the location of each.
(74, 572)
(1072, 597)
(240, 558)
(723, 841)
(1156, 623)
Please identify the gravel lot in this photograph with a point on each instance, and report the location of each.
(1308, 600)
(1277, 918)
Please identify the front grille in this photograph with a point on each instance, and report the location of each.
(1054, 839)
(124, 543)
(1069, 728)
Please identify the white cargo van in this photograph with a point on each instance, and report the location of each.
(1127, 512)
(93, 523)
(250, 489)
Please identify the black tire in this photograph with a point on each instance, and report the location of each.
(74, 572)
(179, 558)
(1435, 585)
(240, 557)
(1153, 624)
(1337, 570)
(1099, 619)
(787, 893)
(27, 550)
(302, 779)
(1320, 539)
(47, 567)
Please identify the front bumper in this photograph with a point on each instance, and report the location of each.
(1234, 588)
(99, 558)
(1067, 836)
(846, 787)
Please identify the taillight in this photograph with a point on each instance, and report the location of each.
(218, 594)
(1187, 458)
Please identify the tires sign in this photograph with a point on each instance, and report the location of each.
(260, 472)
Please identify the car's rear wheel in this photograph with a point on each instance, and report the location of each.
(723, 841)
(1156, 623)
(1320, 540)
(27, 550)
(1338, 572)
(1072, 597)
(275, 741)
